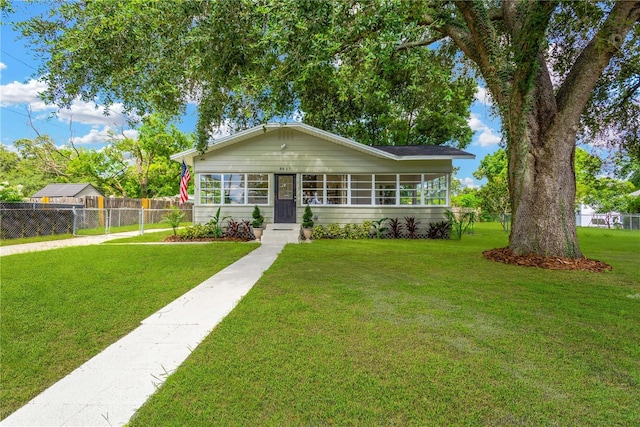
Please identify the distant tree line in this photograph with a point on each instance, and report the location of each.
(123, 167)
(593, 187)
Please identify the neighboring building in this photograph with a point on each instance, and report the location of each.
(586, 216)
(282, 167)
(65, 193)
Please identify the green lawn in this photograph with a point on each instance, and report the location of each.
(61, 307)
(150, 237)
(420, 333)
(123, 228)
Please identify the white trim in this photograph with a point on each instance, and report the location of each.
(422, 200)
(198, 189)
(190, 154)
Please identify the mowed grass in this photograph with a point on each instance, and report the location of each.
(150, 237)
(419, 333)
(125, 228)
(61, 307)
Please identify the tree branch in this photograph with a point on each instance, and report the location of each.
(576, 89)
(480, 45)
(419, 43)
(629, 93)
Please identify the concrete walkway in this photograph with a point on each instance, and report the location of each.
(109, 388)
(75, 241)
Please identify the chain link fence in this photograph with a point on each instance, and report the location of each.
(610, 220)
(20, 222)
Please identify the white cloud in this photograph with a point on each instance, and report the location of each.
(226, 128)
(10, 147)
(488, 137)
(131, 133)
(468, 182)
(3, 66)
(17, 93)
(102, 136)
(94, 136)
(88, 113)
(482, 95)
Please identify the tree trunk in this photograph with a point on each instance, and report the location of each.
(543, 194)
(542, 177)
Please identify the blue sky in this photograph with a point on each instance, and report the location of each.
(87, 126)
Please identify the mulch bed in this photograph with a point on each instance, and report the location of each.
(207, 239)
(505, 256)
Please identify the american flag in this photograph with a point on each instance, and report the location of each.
(185, 176)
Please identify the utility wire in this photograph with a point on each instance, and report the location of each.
(4, 52)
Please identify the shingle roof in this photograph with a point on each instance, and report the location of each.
(421, 150)
(62, 190)
(412, 152)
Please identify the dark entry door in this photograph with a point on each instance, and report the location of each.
(285, 206)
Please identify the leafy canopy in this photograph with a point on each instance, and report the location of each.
(335, 64)
(126, 166)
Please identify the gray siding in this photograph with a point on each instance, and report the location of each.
(326, 215)
(305, 154)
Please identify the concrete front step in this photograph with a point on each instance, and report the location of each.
(281, 233)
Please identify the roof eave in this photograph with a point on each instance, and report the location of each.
(438, 157)
(188, 155)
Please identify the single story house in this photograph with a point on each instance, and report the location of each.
(65, 193)
(283, 167)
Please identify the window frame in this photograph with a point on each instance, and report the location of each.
(223, 192)
(419, 192)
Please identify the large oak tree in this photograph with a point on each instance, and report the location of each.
(382, 71)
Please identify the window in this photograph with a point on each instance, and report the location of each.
(337, 189)
(330, 189)
(386, 189)
(234, 189)
(313, 189)
(434, 188)
(375, 190)
(409, 189)
(361, 189)
(210, 189)
(258, 189)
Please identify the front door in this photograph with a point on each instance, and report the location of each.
(285, 206)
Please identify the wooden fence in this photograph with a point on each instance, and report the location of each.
(100, 202)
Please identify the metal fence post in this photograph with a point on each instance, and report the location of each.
(141, 221)
(75, 218)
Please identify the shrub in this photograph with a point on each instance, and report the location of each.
(307, 217)
(365, 229)
(395, 227)
(216, 224)
(319, 232)
(258, 219)
(460, 223)
(173, 218)
(246, 230)
(197, 231)
(334, 231)
(411, 223)
(378, 227)
(439, 230)
(349, 231)
(233, 228)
